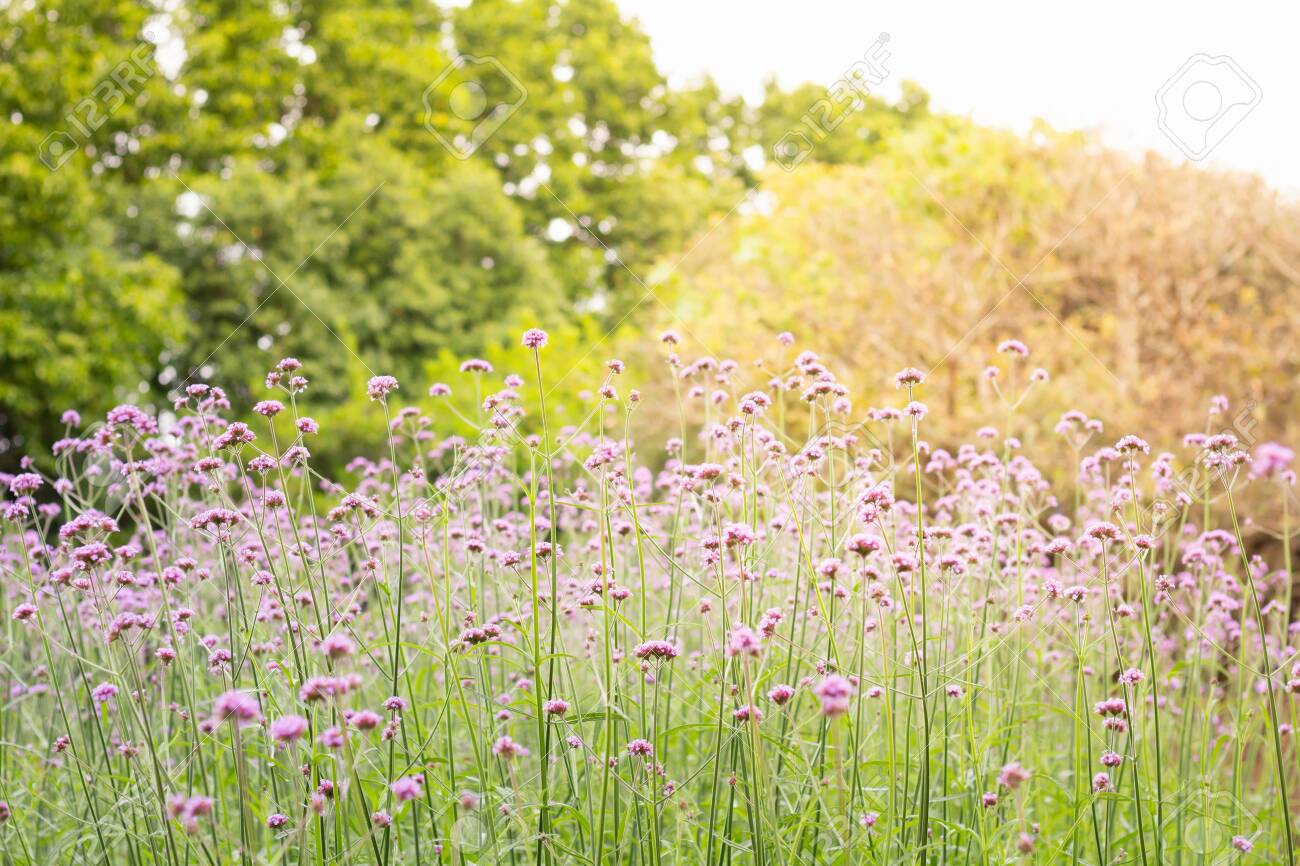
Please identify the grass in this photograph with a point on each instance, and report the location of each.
(554, 646)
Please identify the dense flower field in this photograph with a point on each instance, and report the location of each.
(751, 644)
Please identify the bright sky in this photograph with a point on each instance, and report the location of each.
(1094, 66)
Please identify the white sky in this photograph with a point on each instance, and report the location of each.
(1079, 66)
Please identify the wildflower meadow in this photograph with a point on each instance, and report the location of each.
(795, 632)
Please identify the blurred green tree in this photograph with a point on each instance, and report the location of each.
(245, 144)
(81, 316)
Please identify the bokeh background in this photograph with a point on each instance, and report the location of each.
(193, 190)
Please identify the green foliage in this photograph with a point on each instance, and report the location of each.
(859, 135)
(77, 329)
(82, 318)
(404, 262)
(576, 354)
(263, 142)
(601, 143)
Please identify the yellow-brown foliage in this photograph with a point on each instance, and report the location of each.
(1144, 288)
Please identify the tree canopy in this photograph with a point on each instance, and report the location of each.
(196, 190)
(237, 182)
